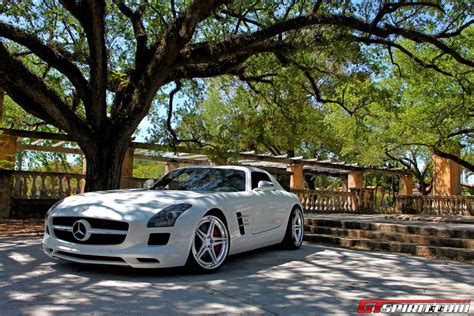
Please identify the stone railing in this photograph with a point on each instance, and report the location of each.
(314, 201)
(45, 185)
(53, 185)
(132, 183)
(436, 205)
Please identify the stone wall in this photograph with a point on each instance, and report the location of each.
(5, 193)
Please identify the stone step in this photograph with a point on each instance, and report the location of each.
(458, 254)
(432, 218)
(422, 240)
(415, 228)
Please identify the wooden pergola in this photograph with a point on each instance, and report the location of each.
(30, 186)
(295, 167)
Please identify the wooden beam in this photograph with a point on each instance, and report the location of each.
(166, 159)
(166, 148)
(38, 135)
(64, 150)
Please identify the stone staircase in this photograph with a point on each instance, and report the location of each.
(453, 240)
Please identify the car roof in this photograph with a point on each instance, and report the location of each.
(227, 167)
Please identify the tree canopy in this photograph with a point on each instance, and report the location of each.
(93, 68)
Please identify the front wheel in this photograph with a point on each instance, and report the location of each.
(295, 230)
(210, 245)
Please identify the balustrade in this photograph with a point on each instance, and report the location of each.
(436, 205)
(46, 185)
(314, 201)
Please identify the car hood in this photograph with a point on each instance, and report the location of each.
(123, 205)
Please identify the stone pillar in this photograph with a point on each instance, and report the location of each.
(7, 151)
(355, 183)
(406, 185)
(84, 165)
(355, 180)
(446, 177)
(127, 168)
(297, 176)
(344, 183)
(170, 166)
(5, 193)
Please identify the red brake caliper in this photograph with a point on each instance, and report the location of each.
(217, 248)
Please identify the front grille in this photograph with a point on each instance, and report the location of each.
(95, 222)
(103, 231)
(90, 257)
(95, 239)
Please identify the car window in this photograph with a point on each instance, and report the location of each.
(203, 179)
(257, 177)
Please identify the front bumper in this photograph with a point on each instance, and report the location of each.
(134, 251)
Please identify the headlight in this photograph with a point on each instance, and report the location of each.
(168, 216)
(51, 209)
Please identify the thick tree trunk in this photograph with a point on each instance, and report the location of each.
(2, 95)
(104, 159)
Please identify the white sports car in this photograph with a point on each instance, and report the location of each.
(194, 216)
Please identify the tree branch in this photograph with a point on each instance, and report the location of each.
(239, 43)
(91, 16)
(369, 41)
(31, 92)
(221, 67)
(139, 30)
(467, 131)
(466, 164)
(51, 56)
(388, 8)
(456, 32)
(170, 112)
(387, 30)
(178, 35)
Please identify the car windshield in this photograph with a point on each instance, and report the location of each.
(203, 180)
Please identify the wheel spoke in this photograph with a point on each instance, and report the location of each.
(295, 220)
(213, 255)
(220, 242)
(212, 223)
(201, 235)
(298, 227)
(201, 252)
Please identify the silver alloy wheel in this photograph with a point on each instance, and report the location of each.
(210, 243)
(297, 227)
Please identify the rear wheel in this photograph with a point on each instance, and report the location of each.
(294, 230)
(210, 245)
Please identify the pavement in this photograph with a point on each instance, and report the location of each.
(313, 280)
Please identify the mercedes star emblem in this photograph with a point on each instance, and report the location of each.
(81, 230)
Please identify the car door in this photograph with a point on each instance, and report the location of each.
(265, 204)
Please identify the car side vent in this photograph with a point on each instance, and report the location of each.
(158, 239)
(241, 223)
(148, 260)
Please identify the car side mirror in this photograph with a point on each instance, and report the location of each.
(148, 184)
(265, 186)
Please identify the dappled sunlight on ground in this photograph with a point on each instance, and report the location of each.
(314, 279)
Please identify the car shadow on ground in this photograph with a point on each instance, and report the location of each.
(313, 279)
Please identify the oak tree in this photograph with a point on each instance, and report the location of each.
(100, 64)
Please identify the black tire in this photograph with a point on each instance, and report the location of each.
(290, 241)
(198, 264)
